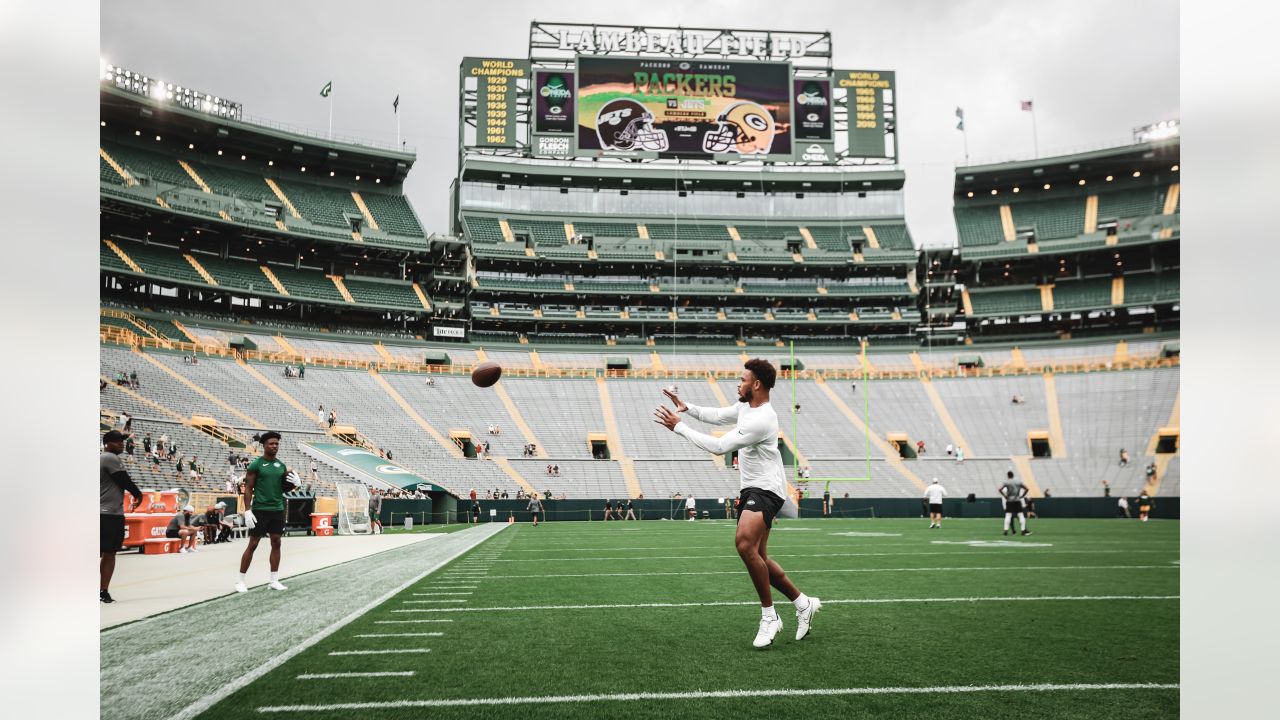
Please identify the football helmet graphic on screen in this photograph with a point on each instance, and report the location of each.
(744, 127)
(624, 124)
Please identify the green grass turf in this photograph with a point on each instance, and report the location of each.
(494, 654)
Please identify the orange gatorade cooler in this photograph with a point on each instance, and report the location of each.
(322, 524)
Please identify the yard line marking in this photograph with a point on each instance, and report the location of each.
(855, 601)
(443, 593)
(716, 694)
(326, 676)
(455, 587)
(1018, 568)
(397, 622)
(378, 635)
(235, 685)
(393, 651)
(974, 551)
(431, 602)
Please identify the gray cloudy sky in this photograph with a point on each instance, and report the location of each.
(1095, 68)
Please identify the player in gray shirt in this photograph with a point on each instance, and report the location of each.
(1014, 493)
(375, 510)
(535, 508)
(113, 482)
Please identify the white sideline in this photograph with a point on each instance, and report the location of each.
(430, 602)
(228, 689)
(394, 651)
(378, 635)
(451, 587)
(430, 594)
(326, 676)
(845, 544)
(1018, 568)
(716, 694)
(855, 601)
(397, 622)
(974, 551)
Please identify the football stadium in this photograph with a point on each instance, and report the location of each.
(637, 215)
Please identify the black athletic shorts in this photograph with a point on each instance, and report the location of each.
(755, 499)
(110, 533)
(270, 522)
(935, 508)
(535, 515)
(1013, 506)
(172, 534)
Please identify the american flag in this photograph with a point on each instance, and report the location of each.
(1026, 105)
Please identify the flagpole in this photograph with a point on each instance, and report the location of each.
(397, 122)
(965, 132)
(331, 115)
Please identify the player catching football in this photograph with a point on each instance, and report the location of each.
(755, 437)
(264, 484)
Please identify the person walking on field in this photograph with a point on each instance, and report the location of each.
(935, 493)
(763, 485)
(535, 508)
(113, 483)
(264, 488)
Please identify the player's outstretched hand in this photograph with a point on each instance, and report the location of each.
(665, 417)
(680, 406)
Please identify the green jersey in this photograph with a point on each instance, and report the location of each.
(268, 489)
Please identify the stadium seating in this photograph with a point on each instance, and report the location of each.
(162, 262)
(247, 186)
(1125, 204)
(598, 229)
(688, 231)
(311, 284)
(1082, 294)
(320, 204)
(1062, 218)
(149, 166)
(480, 227)
(979, 225)
(767, 232)
(1002, 302)
(393, 214)
(834, 238)
(1151, 287)
(893, 237)
(242, 274)
(542, 232)
(390, 294)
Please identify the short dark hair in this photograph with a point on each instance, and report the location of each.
(1010, 474)
(763, 370)
(264, 437)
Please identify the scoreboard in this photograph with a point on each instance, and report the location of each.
(869, 92)
(496, 98)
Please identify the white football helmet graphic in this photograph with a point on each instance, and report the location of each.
(624, 124)
(744, 127)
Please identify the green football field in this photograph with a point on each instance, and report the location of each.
(655, 620)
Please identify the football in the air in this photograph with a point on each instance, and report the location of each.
(486, 374)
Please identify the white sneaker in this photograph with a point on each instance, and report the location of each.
(768, 628)
(275, 585)
(182, 551)
(804, 618)
(240, 587)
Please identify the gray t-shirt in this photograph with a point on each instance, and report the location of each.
(110, 495)
(1013, 491)
(535, 505)
(179, 521)
(375, 504)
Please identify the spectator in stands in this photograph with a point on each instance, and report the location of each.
(431, 381)
(146, 444)
(1106, 489)
(504, 494)
(164, 446)
(102, 385)
(951, 449)
(113, 482)
(302, 372)
(473, 495)
(320, 415)
(920, 447)
(1047, 493)
(547, 494)
(180, 529)
(196, 477)
(1124, 457)
(177, 469)
(497, 430)
(333, 417)
(133, 380)
(229, 487)
(959, 454)
(388, 454)
(1018, 400)
(1150, 471)
(126, 423)
(555, 470)
(314, 474)
(129, 447)
(548, 468)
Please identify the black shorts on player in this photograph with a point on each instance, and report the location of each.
(535, 516)
(270, 522)
(757, 500)
(1014, 507)
(110, 533)
(935, 508)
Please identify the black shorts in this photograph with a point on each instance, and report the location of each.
(171, 534)
(757, 500)
(1013, 506)
(270, 522)
(935, 508)
(110, 533)
(535, 515)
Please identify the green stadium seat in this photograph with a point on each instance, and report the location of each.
(162, 262)
(393, 213)
(146, 164)
(247, 186)
(543, 232)
(767, 232)
(834, 238)
(606, 229)
(1063, 218)
(980, 225)
(241, 274)
(107, 258)
(1006, 302)
(307, 284)
(482, 228)
(688, 231)
(893, 237)
(1126, 204)
(1088, 294)
(389, 294)
(321, 205)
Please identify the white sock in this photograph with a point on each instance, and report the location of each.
(244, 577)
(769, 613)
(1022, 520)
(1008, 518)
(801, 602)
(275, 577)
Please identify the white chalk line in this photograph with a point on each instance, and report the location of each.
(974, 551)
(718, 694)
(454, 587)
(326, 676)
(784, 545)
(392, 651)
(398, 622)
(1016, 568)
(442, 593)
(825, 601)
(385, 635)
(228, 689)
(430, 602)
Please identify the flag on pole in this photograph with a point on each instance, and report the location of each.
(328, 88)
(1026, 106)
(395, 106)
(960, 115)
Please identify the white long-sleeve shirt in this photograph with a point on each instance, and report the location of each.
(755, 437)
(935, 493)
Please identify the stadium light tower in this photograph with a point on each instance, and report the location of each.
(1156, 131)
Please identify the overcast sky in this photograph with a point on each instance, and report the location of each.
(1095, 68)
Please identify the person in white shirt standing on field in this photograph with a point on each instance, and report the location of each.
(935, 493)
(691, 508)
(762, 482)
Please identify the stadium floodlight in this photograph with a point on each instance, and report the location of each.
(1110, 178)
(1137, 173)
(1174, 168)
(1157, 131)
(970, 193)
(995, 191)
(1017, 189)
(1047, 186)
(168, 93)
